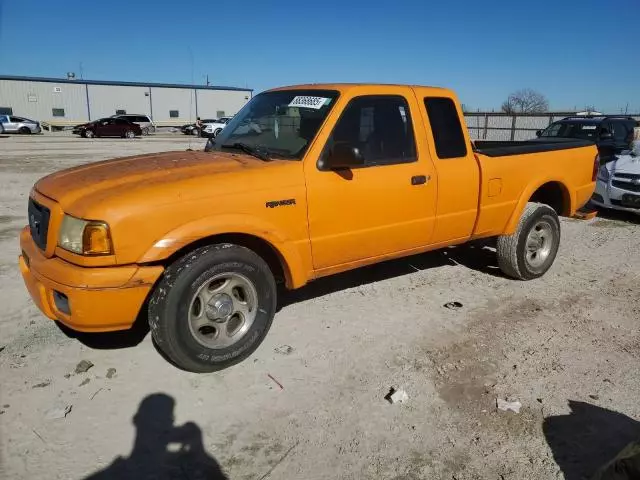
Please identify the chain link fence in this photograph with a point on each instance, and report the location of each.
(504, 127)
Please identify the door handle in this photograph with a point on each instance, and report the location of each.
(420, 179)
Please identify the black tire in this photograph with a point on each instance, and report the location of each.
(515, 258)
(89, 134)
(129, 134)
(145, 131)
(25, 131)
(171, 302)
(217, 132)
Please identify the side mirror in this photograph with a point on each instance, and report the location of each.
(342, 156)
(606, 136)
(539, 133)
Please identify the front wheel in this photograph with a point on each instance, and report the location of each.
(24, 131)
(195, 132)
(530, 251)
(217, 132)
(89, 134)
(130, 134)
(213, 307)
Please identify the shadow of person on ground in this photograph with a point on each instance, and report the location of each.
(162, 450)
(587, 439)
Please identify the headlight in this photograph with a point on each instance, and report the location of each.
(603, 173)
(85, 237)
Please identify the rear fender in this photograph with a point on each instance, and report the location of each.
(528, 192)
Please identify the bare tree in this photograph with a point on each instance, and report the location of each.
(525, 101)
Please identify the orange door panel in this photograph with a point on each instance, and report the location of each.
(383, 207)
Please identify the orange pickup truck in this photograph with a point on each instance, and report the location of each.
(303, 182)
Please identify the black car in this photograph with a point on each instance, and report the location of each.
(611, 134)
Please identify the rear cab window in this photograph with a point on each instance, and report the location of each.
(448, 135)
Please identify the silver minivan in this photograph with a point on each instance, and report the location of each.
(13, 124)
(146, 124)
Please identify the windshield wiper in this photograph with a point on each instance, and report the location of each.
(258, 152)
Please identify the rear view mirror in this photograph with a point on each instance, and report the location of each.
(342, 156)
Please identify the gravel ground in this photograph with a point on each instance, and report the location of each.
(566, 346)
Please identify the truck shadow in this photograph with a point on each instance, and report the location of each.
(585, 440)
(478, 256)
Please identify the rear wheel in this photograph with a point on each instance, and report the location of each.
(530, 251)
(213, 307)
(217, 132)
(25, 130)
(145, 131)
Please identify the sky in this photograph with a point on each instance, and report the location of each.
(576, 53)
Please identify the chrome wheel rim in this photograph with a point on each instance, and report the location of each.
(130, 134)
(222, 310)
(539, 244)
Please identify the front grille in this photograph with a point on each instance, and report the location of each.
(38, 223)
(630, 187)
(630, 176)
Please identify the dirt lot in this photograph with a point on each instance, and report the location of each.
(567, 346)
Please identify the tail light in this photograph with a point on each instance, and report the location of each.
(596, 166)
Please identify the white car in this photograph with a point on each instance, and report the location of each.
(212, 129)
(618, 182)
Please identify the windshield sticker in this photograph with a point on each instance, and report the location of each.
(309, 102)
(588, 127)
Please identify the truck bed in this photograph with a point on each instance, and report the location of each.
(506, 148)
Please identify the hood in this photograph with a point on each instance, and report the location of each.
(627, 163)
(153, 178)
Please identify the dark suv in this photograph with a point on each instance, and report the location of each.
(611, 134)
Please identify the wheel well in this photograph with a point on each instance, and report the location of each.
(555, 195)
(258, 245)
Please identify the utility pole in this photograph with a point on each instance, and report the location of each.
(207, 79)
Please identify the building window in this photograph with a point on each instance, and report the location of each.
(121, 112)
(57, 112)
(220, 113)
(6, 111)
(174, 113)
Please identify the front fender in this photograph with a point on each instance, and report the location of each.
(295, 265)
(528, 192)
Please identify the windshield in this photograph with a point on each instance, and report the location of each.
(281, 123)
(584, 131)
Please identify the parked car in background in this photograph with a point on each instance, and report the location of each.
(108, 127)
(214, 127)
(618, 182)
(13, 124)
(612, 134)
(192, 128)
(144, 121)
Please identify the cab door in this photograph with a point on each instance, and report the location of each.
(386, 204)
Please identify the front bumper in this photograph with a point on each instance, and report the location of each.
(608, 196)
(100, 299)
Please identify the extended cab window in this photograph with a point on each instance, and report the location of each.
(379, 127)
(445, 125)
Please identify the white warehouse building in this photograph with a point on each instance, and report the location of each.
(63, 102)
